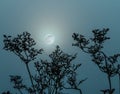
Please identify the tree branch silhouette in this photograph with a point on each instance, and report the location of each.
(52, 76)
(22, 46)
(94, 46)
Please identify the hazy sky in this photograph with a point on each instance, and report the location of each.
(60, 18)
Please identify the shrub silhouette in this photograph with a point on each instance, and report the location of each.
(93, 46)
(22, 46)
(59, 73)
(52, 76)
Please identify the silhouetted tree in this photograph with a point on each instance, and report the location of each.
(22, 46)
(94, 46)
(57, 74)
(52, 76)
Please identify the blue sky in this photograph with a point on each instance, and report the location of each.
(61, 18)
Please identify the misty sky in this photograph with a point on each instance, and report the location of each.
(61, 18)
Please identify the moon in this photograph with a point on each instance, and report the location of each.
(49, 39)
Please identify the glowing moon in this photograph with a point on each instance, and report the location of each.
(49, 39)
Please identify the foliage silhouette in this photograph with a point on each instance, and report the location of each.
(52, 76)
(22, 46)
(93, 46)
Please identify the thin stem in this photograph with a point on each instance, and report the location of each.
(106, 64)
(30, 76)
(110, 86)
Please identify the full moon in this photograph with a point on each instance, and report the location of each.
(49, 39)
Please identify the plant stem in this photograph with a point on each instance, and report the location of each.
(30, 76)
(110, 86)
(106, 65)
